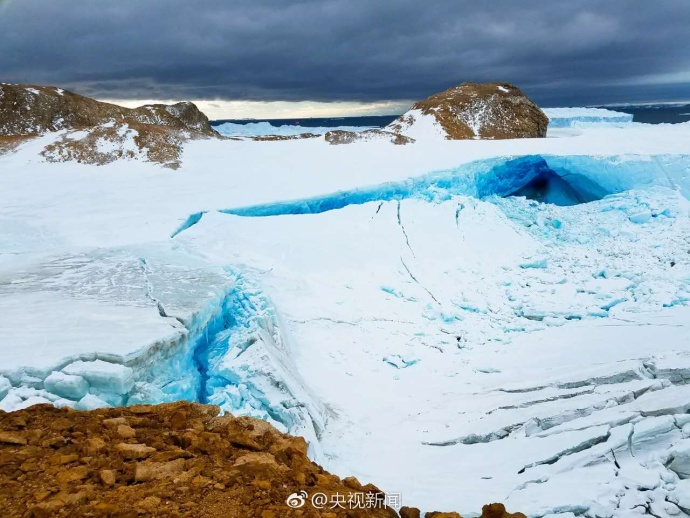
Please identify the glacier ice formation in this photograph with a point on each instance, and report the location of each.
(569, 117)
(557, 179)
(447, 277)
(224, 346)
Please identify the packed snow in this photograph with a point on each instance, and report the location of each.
(418, 125)
(460, 322)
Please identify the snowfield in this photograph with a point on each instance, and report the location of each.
(459, 321)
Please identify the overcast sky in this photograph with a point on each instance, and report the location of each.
(253, 57)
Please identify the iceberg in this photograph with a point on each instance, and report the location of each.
(573, 117)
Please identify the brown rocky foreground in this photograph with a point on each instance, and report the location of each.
(176, 459)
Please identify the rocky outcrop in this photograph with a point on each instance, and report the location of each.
(348, 137)
(498, 511)
(29, 109)
(271, 138)
(473, 111)
(488, 511)
(175, 459)
(99, 132)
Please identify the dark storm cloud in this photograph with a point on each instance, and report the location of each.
(559, 52)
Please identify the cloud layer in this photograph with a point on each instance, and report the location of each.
(577, 52)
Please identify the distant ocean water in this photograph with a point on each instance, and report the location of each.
(649, 114)
(318, 122)
(656, 113)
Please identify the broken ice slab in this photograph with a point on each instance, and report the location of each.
(103, 376)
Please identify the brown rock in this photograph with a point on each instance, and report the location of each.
(108, 477)
(437, 514)
(146, 471)
(42, 495)
(45, 509)
(29, 465)
(93, 445)
(104, 509)
(410, 512)
(142, 409)
(126, 431)
(134, 451)
(72, 475)
(12, 438)
(66, 459)
(262, 484)
(498, 511)
(352, 483)
(259, 464)
(178, 420)
(114, 422)
(149, 504)
(478, 110)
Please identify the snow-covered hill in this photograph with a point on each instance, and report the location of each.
(457, 321)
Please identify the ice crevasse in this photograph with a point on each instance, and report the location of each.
(224, 344)
(558, 179)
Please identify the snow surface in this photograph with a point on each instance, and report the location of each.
(421, 327)
(418, 126)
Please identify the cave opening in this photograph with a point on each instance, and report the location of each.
(562, 190)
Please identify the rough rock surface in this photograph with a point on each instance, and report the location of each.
(26, 109)
(176, 459)
(476, 110)
(268, 138)
(348, 137)
(99, 132)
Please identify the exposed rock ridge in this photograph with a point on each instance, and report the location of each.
(29, 109)
(175, 459)
(475, 111)
(98, 132)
